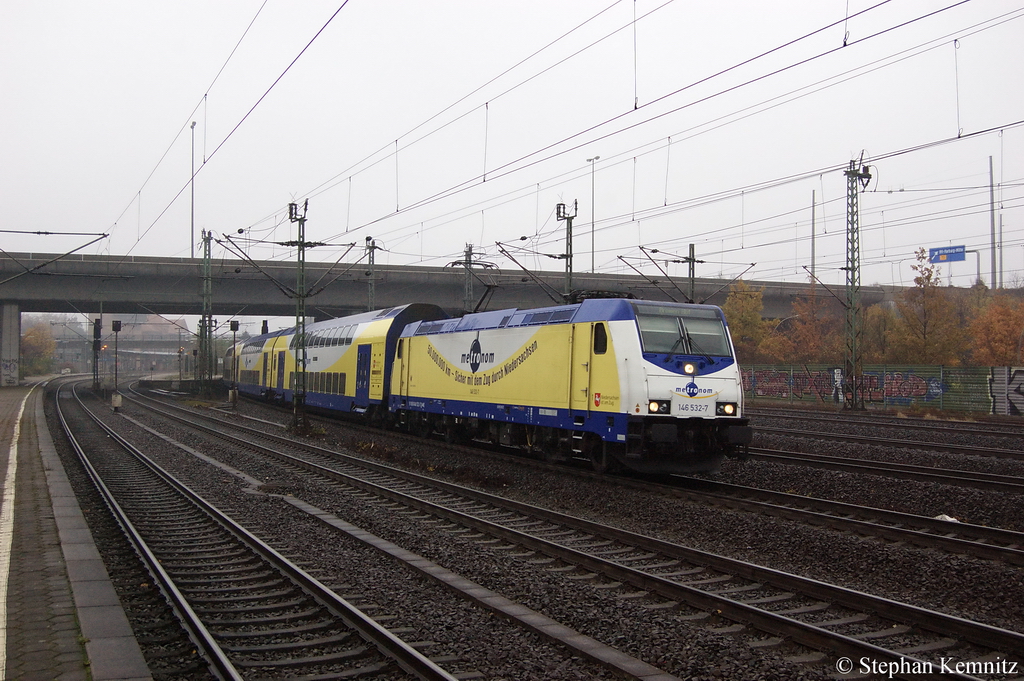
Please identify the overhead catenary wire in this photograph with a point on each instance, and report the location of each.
(524, 161)
(347, 173)
(276, 81)
(703, 80)
(521, 162)
(241, 121)
(488, 176)
(481, 177)
(188, 119)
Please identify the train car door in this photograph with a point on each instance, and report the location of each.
(604, 374)
(403, 355)
(266, 369)
(579, 378)
(377, 372)
(280, 370)
(363, 374)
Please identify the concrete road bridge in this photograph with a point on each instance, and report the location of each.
(92, 285)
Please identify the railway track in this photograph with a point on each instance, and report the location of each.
(962, 538)
(251, 612)
(994, 427)
(997, 439)
(821, 616)
(988, 543)
(991, 482)
(973, 450)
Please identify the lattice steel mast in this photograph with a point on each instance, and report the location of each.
(300, 421)
(206, 356)
(856, 181)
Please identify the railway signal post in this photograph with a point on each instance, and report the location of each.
(562, 214)
(300, 421)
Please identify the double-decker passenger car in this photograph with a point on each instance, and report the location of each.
(348, 360)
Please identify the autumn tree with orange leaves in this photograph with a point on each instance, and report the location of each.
(928, 329)
(37, 350)
(997, 332)
(927, 324)
(742, 310)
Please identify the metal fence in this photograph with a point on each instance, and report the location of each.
(990, 390)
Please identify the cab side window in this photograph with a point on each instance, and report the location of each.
(600, 339)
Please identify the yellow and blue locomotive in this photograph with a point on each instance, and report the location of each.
(652, 387)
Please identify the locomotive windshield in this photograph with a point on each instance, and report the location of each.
(686, 331)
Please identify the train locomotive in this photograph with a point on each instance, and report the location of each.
(646, 386)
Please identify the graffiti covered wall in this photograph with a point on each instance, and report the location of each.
(992, 390)
(1006, 388)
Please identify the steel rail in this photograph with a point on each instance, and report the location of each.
(990, 482)
(892, 442)
(204, 641)
(391, 646)
(808, 634)
(1006, 427)
(933, 533)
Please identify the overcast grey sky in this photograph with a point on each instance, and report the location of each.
(429, 125)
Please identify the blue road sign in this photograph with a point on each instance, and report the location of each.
(947, 254)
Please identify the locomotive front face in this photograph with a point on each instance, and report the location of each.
(687, 402)
(691, 371)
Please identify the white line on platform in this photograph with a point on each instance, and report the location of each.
(7, 531)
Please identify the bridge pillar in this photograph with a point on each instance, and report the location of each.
(10, 343)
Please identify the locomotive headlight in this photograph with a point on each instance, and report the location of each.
(725, 409)
(656, 407)
(689, 369)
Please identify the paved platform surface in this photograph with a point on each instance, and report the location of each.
(60, 614)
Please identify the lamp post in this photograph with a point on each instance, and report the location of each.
(192, 183)
(593, 243)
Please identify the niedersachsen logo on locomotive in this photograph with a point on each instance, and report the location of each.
(475, 357)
